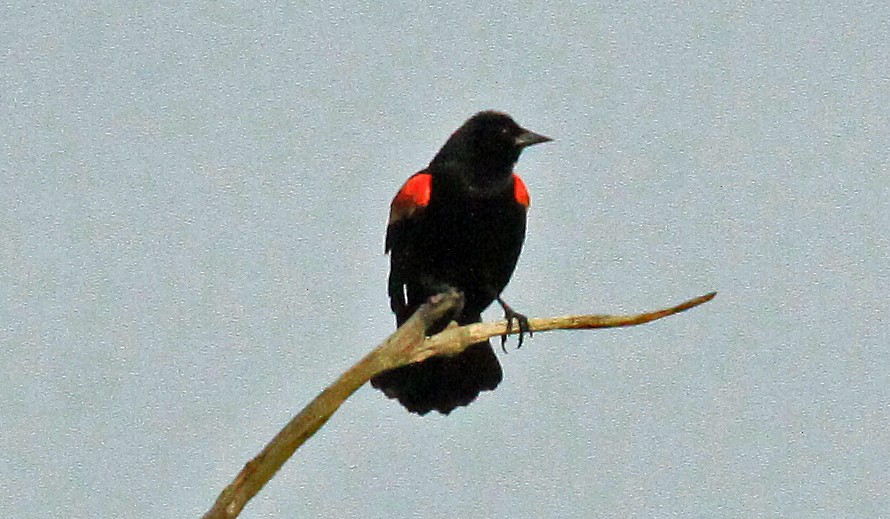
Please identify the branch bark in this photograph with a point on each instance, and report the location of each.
(405, 346)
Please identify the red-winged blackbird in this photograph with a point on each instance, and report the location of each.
(458, 223)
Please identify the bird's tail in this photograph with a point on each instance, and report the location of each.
(443, 383)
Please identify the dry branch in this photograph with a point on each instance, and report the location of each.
(405, 346)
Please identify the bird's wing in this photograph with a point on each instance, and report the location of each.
(411, 199)
(404, 212)
(520, 192)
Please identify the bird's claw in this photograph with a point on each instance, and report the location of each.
(521, 322)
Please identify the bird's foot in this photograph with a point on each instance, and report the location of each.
(521, 322)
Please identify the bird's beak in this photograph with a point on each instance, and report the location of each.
(528, 138)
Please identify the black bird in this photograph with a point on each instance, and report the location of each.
(458, 223)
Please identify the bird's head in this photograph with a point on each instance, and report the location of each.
(488, 142)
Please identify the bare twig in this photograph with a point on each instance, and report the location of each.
(454, 339)
(394, 352)
(405, 346)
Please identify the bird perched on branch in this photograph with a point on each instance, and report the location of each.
(458, 223)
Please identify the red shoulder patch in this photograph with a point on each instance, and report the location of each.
(520, 193)
(413, 196)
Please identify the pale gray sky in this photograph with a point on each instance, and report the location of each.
(192, 207)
